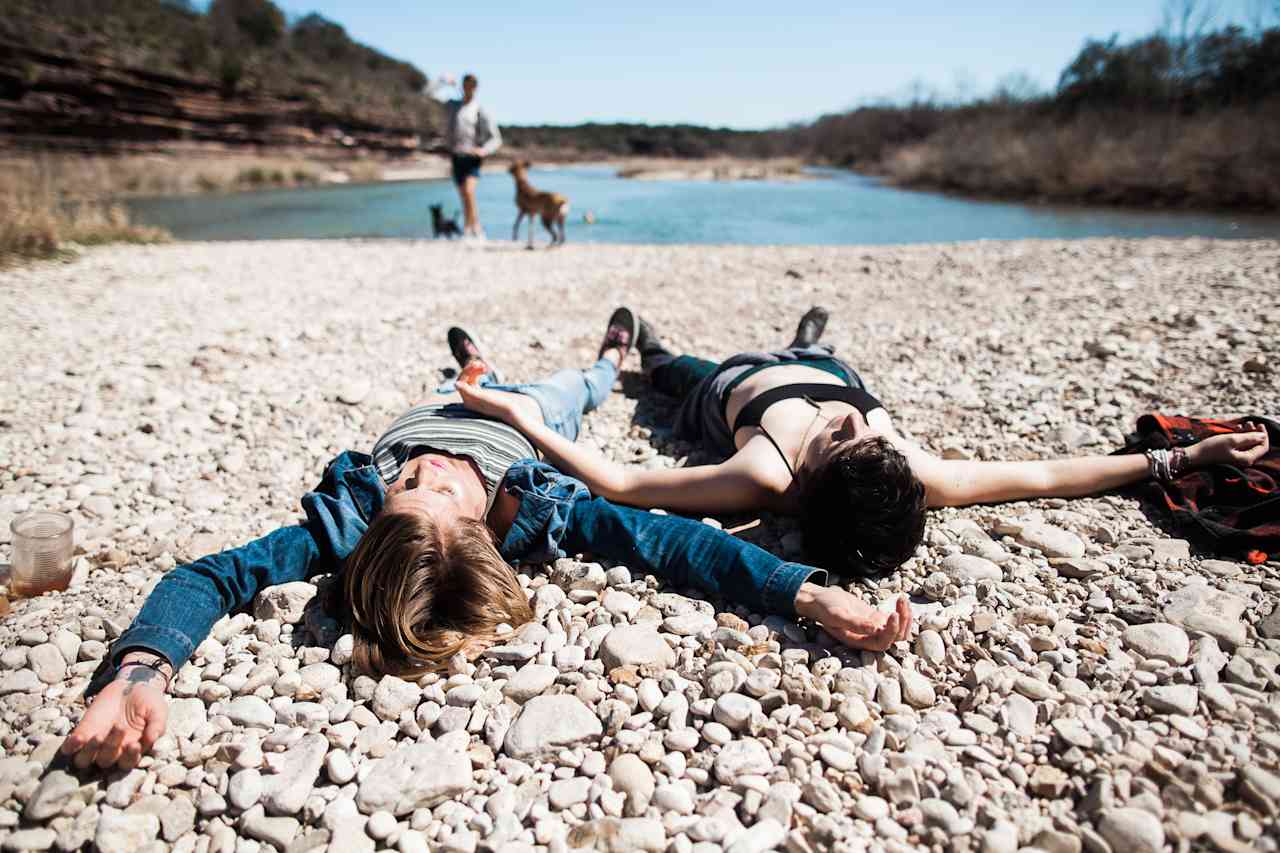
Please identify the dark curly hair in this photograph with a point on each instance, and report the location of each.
(863, 513)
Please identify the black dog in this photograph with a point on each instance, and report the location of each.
(440, 225)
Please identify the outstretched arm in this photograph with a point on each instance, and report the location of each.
(128, 710)
(958, 483)
(727, 487)
(690, 553)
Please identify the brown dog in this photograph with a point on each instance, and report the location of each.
(552, 207)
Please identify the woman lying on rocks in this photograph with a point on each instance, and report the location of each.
(801, 435)
(420, 532)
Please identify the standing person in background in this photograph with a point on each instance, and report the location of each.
(471, 134)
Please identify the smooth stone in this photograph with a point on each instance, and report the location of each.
(1199, 607)
(1050, 541)
(296, 769)
(284, 602)
(549, 723)
(740, 758)
(620, 835)
(56, 788)
(734, 710)
(124, 832)
(393, 696)
(633, 778)
(1020, 715)
(415, 775)
(1172, 699)
(250, 712)
(1159, 641)
(185, 717)
(529, 681)
(1131, 830)
(966, 568)
(566, 793)
(47, 662)
(916, 689)
(635, 645)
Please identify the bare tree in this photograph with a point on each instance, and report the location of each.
(1184, 21)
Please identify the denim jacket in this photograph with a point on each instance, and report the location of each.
(557, 517)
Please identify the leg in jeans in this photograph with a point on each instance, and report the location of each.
(568, 394)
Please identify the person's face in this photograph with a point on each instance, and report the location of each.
(445, 488)
(833, 438)
(469, 88)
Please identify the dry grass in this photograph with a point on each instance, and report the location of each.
(40, 219)
(1228, 159)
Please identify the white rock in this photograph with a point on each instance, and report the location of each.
(285, 602)
(394, 696)
(245, 788)
(550, 723)
(734, 710)
(633, 778)
(916, 689)
(965, 568)
(118, 832)
(764, 835)
(1200, 607)
(250, 712)
(1050, 541)
(740, 758)
(415, 775)
(1159, 640)
(1129, 829)
(285, 791)
(47, 662)
(620, 835)
(565, 793)
(635, 645)
(338, 766)
(1172, 699)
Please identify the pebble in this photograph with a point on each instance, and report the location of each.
(1130, 829)
(413, 776)
(548, 723)
(1050, 541)
(633, 778)
(635, 645)
(1159, 641)
(968, 569)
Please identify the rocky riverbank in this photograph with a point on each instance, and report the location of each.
(1079, 679)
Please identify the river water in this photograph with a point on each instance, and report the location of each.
(840, 208)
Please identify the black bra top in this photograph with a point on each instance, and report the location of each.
(815, 392)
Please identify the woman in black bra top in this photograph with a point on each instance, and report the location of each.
(801, 435)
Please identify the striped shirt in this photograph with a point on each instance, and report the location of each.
(450, 428)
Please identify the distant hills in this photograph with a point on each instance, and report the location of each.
(131, 74)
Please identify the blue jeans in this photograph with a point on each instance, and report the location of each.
(564, 397)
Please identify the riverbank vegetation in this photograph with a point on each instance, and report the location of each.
(39, 220)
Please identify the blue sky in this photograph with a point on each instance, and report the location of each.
(742, 64)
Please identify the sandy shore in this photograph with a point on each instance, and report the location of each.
(177, 399)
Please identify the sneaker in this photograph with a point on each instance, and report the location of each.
(464, 349)
(810, 329)
(648, 345)
(621, 333)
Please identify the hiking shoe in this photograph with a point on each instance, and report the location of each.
(620, 334)
(811, 327)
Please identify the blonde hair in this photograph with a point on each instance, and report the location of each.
(418, 593)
